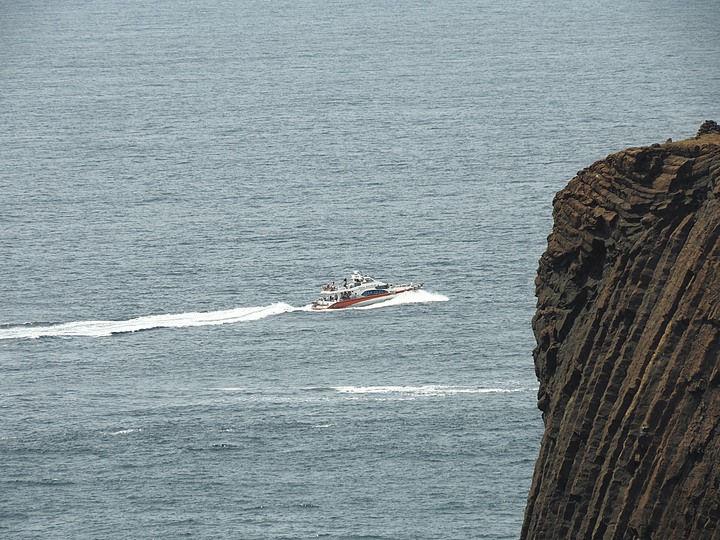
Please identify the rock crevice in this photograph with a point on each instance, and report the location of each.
(628, 349)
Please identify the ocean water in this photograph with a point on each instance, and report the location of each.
(177, 179)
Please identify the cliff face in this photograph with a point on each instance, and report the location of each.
(628, 349)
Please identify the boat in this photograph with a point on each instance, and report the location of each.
(359, 290)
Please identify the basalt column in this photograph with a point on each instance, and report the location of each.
(628, 349)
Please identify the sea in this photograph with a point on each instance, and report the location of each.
(179, 178)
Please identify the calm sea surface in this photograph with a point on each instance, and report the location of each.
(177, 179)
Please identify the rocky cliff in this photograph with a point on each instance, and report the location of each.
(628, 349)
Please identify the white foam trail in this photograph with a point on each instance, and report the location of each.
(181, 320)
(426, 390)
(411, 297)
(126, 431)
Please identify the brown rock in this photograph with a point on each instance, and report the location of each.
(628, 349)
(708, 127)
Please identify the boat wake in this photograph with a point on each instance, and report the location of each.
(181, 320)
(108, 328)
(411, 297)
(372, 393)
(427, 390)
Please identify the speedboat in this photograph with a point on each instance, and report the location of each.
(359, 290)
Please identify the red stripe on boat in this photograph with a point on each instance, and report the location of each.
(345, 303)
